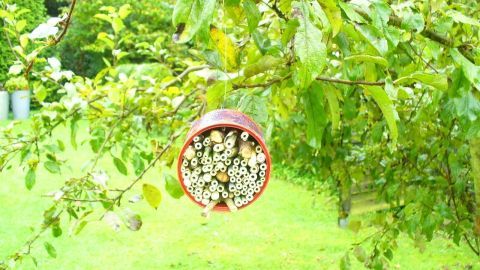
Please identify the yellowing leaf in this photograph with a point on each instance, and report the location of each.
(333, 13)
(225, 47)
(152, 195)
(368, 58)
(386, 106)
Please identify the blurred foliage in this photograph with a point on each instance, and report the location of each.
(147, 28)
(32, 19)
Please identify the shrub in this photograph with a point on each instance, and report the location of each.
(33, 19)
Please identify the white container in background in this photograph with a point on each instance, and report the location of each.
(4, 105)
(21, 104)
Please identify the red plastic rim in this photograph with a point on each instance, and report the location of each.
(222, 207)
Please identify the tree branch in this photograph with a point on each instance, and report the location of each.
(428, 33)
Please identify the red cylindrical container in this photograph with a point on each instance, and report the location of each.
(230, 119)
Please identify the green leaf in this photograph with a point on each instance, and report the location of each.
(438, 81)
(20, 25)
(351, 13)
(368, 58)
(315, 115)
(471, 71)
(253, 14)
(309, 49)
(56, 230)
(50, 249)
(467, 106)
(345, 263)
(334, 15)
(333, 105)
(103, 17)
(172, 186)
(118, 25)
(373, 36)
(152, 195)
(255, 107)
(120, 166)
(30, 179)
(360, 254)
(461, 18)
(138, 164)
(216, 94)
(263, 64)
(192, 17)
(52, 166)
(413, 21)
(386, 106)
(355, 225)
(124, 11)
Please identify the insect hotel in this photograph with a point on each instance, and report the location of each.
(224, 164)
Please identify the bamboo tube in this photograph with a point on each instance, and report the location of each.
(231, 205)
(207, 178)
(244, 201)
(223, 157)
(243, 191)
(238, 202)
(186, 174)
(201, 183)
(209, 160)
(231, 152)
(185, 163)
(190, 189)
(198, 138)
(263, 167)
(198, 146)
(194, 162)
(189, 152)
(205, 201)
(244, 163)
(231, 187)
(252, 162)
(198, 198)
(252, 185)
(199, 154)
(238, 174)
(230, 139)
(194, 178)
(228, 162)
(230, 172)
(236, 161)
(209, 208)
(249, 197)
(207, 142)
(257, 189)
(212, 188)
(254, 169)
(243, 171)
(244, 136)
(215, 195)
(262, 173)
(258, 149)
(187, 182)
(207, 151)
(214, 183)
(197, 171)
(216, 136)
(206, 194)
(216, 157)
(261, 158)
(222, 177)
(237, 193)
(213, 173)
(224, 194)
(220, 188)
(245, 149)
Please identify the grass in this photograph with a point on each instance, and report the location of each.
(283, 230)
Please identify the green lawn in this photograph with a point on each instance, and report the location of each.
(282, 230)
